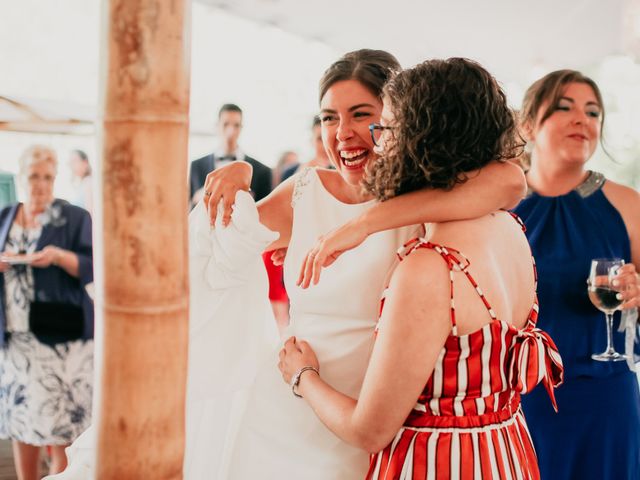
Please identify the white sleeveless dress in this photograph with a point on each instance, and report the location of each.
(280, 436)
(243, 422)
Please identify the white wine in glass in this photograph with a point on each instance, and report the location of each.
(604, 297)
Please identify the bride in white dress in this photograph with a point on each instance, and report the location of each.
(271, 433)
(276, 435)
(242, 421)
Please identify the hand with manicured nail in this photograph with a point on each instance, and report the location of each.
(628, 282)
(328, 248)
(222, 184)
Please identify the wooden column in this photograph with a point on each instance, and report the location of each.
(143, 270)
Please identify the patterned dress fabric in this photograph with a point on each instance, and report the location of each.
(18, 279)
(45, 391)
(468, 423)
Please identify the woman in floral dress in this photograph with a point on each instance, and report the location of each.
(46, 319)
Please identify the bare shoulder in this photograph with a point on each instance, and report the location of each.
(617, 190)
(276, 213)
(281, 194)
(422, 270)
(418, 295)
(625, 199)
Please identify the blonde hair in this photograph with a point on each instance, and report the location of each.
(37, 154)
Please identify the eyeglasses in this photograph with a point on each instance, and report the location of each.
(377, 131)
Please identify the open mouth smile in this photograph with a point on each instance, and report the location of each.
(354, 159)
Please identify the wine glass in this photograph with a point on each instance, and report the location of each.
(604, 297)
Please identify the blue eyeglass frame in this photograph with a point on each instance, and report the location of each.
(376, 126)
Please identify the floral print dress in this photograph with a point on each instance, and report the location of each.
(45, 391)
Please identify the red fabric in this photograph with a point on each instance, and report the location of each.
(277, 292)
(468, 422)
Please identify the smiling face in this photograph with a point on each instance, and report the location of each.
(346, 111)
(571, 134)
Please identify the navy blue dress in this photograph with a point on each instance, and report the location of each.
(596, 433)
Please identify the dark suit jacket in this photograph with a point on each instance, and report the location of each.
(260, 182)
(71, 230)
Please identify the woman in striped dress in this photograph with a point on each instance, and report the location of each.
(441, 120)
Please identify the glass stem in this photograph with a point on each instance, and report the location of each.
(610, 348)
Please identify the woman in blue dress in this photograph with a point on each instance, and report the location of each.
(573, 215)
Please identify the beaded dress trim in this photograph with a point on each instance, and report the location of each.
(591, 184)
(302, 180)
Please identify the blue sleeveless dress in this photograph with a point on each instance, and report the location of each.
(596, 433)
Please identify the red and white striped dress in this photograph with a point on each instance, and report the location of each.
(468, 423)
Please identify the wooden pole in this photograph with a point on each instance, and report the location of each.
(143, 271)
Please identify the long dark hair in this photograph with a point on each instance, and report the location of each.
(372, 68)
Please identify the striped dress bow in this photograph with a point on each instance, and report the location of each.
(534, 359)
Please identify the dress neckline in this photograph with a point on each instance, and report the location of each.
(591, 184)
(326, 190)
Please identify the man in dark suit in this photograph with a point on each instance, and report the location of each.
(229, 125)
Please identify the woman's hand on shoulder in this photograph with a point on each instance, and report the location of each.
(328, 248)
(222, 184)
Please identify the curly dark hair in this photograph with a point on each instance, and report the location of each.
(451, 117)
